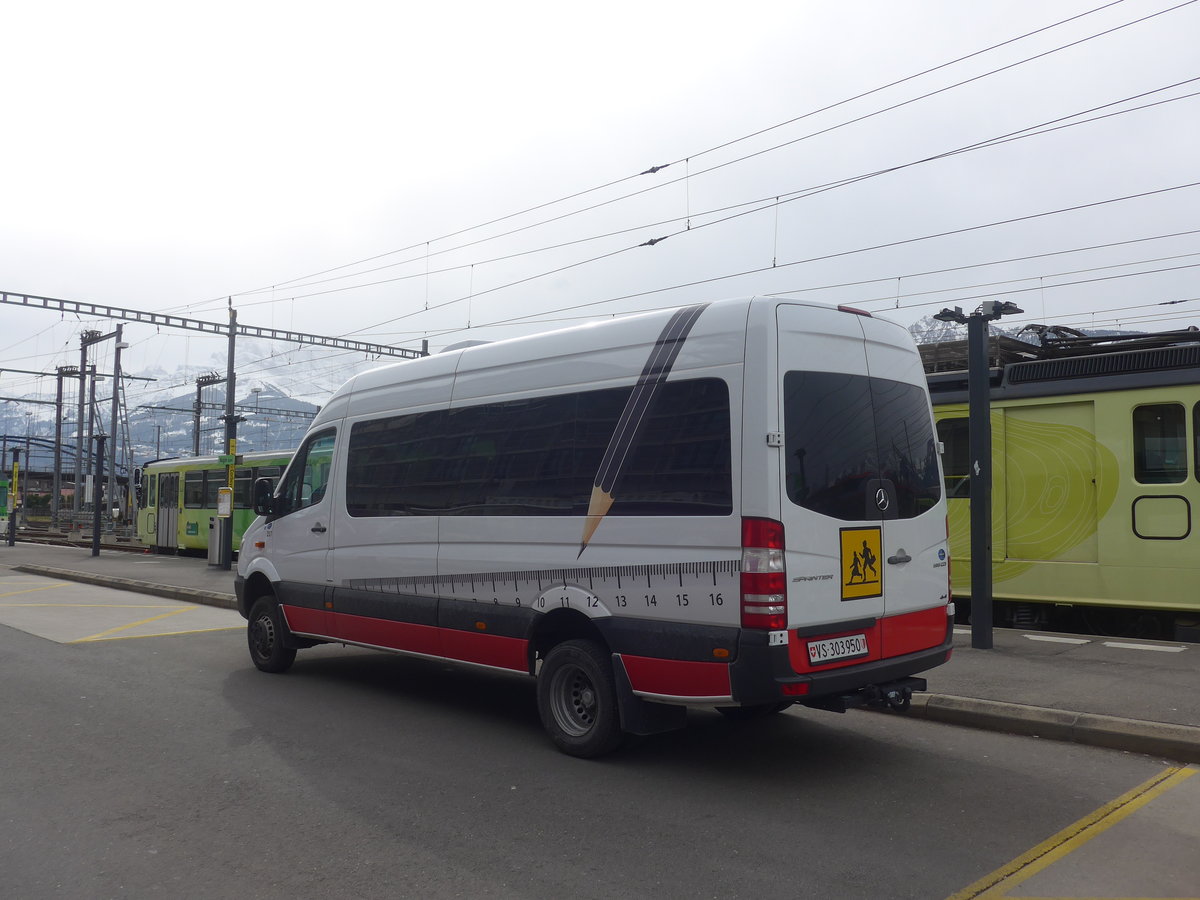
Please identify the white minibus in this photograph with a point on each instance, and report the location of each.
(734, 504)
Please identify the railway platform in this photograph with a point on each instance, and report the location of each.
(1139, 696)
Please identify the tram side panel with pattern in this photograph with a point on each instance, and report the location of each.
(1095, 485)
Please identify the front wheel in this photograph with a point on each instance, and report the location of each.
(577, 699)
(264, 634)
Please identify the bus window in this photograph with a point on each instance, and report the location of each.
(1159, 444)
(956, 461)
(193, 490)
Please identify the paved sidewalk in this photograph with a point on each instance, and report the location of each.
(1134, 695)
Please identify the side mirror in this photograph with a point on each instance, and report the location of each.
(264, 497)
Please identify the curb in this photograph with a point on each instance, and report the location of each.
(171, 592)
(1177, 742)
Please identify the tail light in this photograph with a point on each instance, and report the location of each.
(764, 583)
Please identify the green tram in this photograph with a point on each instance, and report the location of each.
(1095, 484)
(177, 498)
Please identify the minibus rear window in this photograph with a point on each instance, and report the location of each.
(846, 437)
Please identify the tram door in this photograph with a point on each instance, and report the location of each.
(166, 535)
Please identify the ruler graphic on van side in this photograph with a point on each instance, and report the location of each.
(665, 586)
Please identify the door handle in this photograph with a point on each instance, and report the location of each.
(900, 557)
(321, 529)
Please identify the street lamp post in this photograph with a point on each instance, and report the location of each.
(979, 426)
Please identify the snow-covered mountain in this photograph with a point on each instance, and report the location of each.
(278, 392)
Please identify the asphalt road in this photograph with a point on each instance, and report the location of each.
(134, 765)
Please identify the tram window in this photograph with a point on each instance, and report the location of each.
(1159, 444)
(956, 461)
(193, 490)
(1196, 436)
(214, 482)
(152, 490)
(243, 483)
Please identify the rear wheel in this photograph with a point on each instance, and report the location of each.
(577, 699)
(264, 634)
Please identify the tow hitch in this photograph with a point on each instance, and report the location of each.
(893, 695)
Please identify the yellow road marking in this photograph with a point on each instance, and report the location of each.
(1071, 838)
(103, 634)
(44, 587)
(88, 606)
(135, 637)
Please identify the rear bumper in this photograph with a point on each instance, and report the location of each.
(675, 664)
(764, 674)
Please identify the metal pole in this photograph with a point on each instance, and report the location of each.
(226, 524)
(98, 494)
(56, 484)
(196, 420)
(77, 497)
(112, 471)
(980, 445)
(91, 413)
(12, 512)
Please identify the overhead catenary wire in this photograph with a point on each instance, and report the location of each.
(725, 144)
(765, 203)
(759, 203)
(827, 288)
(843, 253)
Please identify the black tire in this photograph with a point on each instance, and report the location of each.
(750, 713)
(264, 635)
(577, 699)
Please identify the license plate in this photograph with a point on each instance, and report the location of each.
(834, 649)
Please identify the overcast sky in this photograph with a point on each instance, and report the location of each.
(326, 166)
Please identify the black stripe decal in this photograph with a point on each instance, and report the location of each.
(655, 372)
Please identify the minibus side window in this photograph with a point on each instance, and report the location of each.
(306, 478)
(541, 456)
(1159, 444)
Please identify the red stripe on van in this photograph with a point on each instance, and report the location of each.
(486, 649)
(384, 633)
(676, 677)
(914, 631)
(307, 621)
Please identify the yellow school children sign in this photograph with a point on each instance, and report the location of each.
(862, 570)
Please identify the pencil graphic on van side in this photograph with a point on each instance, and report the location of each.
(629, 424)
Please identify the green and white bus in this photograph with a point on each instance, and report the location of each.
(1095, 484)
(178, 497)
